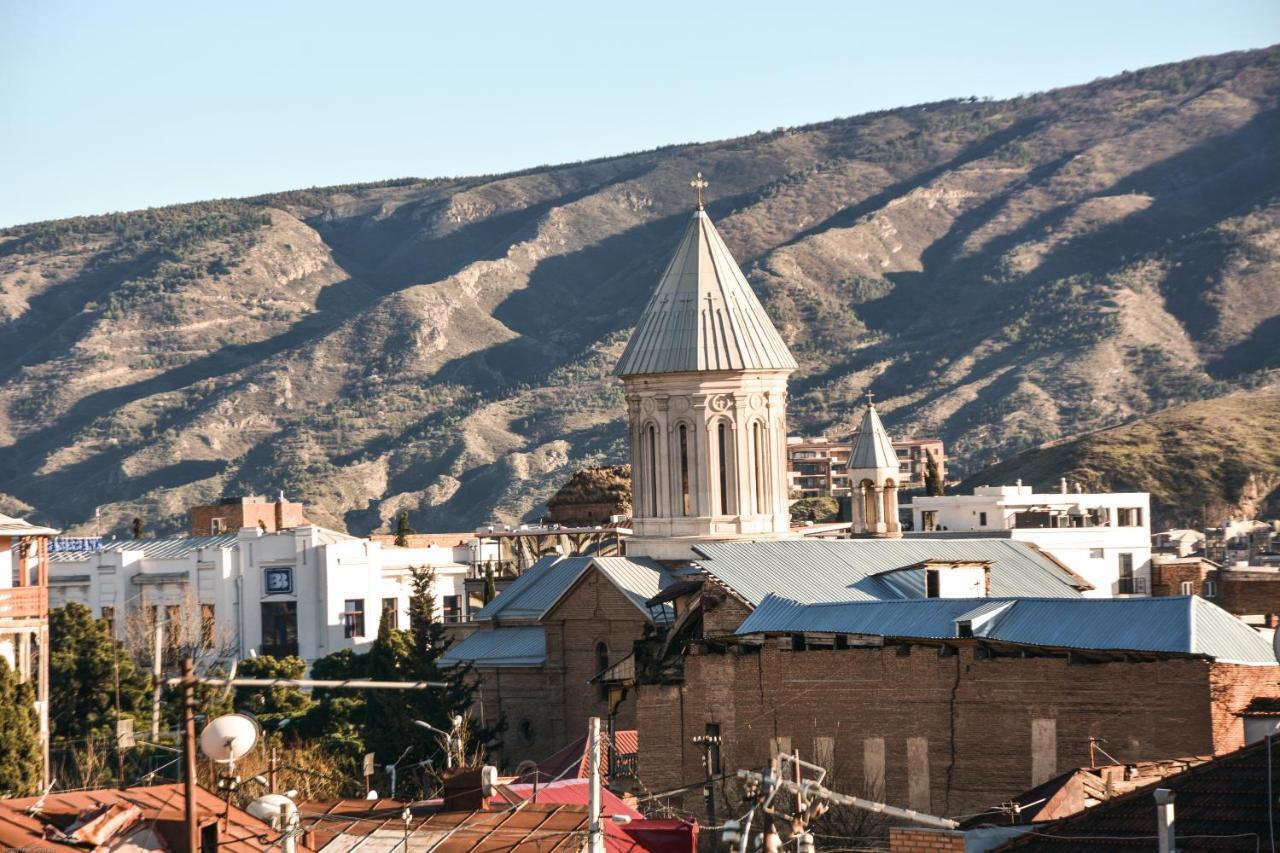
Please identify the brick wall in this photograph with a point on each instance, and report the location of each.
(235, 516)
(1167, 577)
(952, 735)
(1252, 593)
(925, 841)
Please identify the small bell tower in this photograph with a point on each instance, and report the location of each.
(873, 479)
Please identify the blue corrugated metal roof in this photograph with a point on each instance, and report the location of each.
(541, 585)
(520, 645)
(844, 569)
(1173, 625)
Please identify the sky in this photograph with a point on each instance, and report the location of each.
(124, 105)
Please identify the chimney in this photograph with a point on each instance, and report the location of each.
(1062, 484)
(465, 789)
(1164, 820)
(280, 512)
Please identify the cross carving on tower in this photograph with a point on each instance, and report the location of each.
(699, 185)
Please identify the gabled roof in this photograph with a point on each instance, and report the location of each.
(812, 570)
(507, 646)
(541, 586)
(10, 526)
(872, 447)
(1182, 625)
(1220, 805)
(703, 315)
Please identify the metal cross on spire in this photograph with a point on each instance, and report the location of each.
(870, 402)
(699, 185)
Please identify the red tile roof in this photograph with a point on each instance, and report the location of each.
(126, 811)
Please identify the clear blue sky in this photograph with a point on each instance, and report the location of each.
(116, 106)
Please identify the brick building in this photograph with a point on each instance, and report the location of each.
(538, 645)
(1250, 592)
(231, 514)
(951, 706)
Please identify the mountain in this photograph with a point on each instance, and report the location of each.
(1201, 462)
(999, 273)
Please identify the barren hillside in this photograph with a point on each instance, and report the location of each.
(1001, 273)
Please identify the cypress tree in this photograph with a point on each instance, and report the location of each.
(932, 476)
(20, 757)
(403, 530)
(490, 585)
(136, 528)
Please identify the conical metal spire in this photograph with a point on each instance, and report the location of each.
(703, 315)
(873, 448)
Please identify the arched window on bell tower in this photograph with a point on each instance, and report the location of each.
(651, 469)
(724, 459)
(686, 498)
(760, 466)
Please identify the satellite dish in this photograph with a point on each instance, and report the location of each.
(272, 808)
(229, 738)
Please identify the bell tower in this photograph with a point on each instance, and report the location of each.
(873, 479)
(706, 383)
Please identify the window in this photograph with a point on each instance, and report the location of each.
(929, 519)
(1188, 588)
(1129, 517)
(602, 663)
(686, 507)
(208, 626)
(932, 583)
(217, 525)
(279, 628)
(982, 519)
(1095, 554)
(452, 607)
(1209, 589)
(109, 619)
(651, 462)
(391, 612)
(761, 469)
(722, 459)
(353, 618)
(1125, 586)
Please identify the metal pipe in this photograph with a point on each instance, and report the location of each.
(1164, 820)
(595, 831)
(346, 684)
(812, 790)
(188, 681)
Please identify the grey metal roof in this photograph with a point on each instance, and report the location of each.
(812, 570)
(703, 315)
(872, 447)
(10, 526)
(540, 586)
(515, 645)
(1186, 625)
(158, 549)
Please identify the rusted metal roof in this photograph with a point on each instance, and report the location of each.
(378, 827)
(154, 811)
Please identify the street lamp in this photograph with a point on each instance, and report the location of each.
(448, 741)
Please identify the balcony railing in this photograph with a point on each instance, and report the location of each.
(24, 602)
(625, 765)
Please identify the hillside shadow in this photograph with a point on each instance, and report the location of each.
(1261, 350)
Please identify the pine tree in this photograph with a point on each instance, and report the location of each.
(932, 476)
(273, 704)
(83, 664)
(20, 757)
(403, 530)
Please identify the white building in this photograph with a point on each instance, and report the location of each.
(1104, 538)
(305, 591)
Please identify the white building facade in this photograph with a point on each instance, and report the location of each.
(306, 591)
(1104, 538)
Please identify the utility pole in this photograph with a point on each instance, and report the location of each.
(157, 670)
(595, 831)
(189, 751)
(709, 742)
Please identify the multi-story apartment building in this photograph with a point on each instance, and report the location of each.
(24, 611)
(1104, 538)
(816, 466)
(304, 591)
